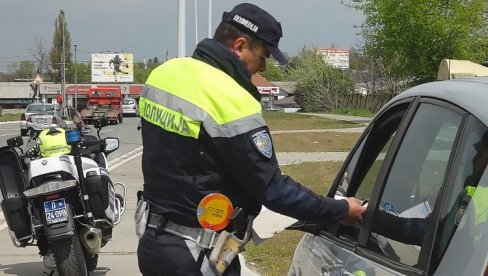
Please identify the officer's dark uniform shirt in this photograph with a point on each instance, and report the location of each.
(179, 170)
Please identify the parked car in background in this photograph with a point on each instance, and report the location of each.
(130, 107)
(421, 165)
(39, 121)
(34, 108)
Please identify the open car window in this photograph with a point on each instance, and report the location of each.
(401, 165)
(416, 175)
(362, 170)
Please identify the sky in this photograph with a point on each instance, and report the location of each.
(148, 28)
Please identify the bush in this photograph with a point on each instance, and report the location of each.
(1, 109)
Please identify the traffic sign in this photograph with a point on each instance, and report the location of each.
(38, 79)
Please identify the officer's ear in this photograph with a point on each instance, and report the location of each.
(238, 46)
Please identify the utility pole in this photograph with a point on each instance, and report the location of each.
(209, 18)
(196, 23)
(63, 67)
(76, 82)
(181, 28)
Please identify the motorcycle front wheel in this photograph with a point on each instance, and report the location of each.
(70, 260)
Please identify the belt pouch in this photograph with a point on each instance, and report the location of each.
(226, 249)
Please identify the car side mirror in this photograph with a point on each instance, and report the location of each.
(111, 144)
(100, 122)
(15, 141)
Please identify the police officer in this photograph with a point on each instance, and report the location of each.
(203, 133)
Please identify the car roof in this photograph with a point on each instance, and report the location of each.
(470, 94)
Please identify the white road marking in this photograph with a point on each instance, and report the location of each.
(3, 223)
(119, 161)
(9, 134)
(106, 130)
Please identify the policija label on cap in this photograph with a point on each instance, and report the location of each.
(214, 212)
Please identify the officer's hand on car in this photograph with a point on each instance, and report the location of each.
(355, 213)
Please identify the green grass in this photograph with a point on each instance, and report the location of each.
(353, 112)
(314, 141)
(10, 117)
(294, 121)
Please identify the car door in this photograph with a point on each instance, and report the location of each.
(400, 165)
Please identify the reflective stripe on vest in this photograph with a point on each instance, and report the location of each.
(190, 93)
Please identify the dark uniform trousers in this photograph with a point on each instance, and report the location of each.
(161, 253)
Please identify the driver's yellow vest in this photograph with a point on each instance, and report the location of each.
(479, 196)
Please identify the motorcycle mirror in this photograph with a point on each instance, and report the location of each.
(111, 144)
(100, 122)
(15, 141)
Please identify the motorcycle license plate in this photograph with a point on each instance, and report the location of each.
(55, 211)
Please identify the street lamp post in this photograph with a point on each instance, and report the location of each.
(209, 18)
(76, 83)
(181, 28)
(63, 64)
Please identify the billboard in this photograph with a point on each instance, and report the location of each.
(112, 67)
(269, 90)
(337, 58)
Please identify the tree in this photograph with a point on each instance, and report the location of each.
(413, 36)
(320, 87)
(273, 72)
(375, 75)
(83, 72)
(38, 50)
(24, 69)
(142, 71)
(56, 54)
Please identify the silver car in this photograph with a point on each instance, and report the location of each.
(38, 116)
(421, 167)
(129, 106)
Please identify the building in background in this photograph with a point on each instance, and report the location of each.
(337, 58)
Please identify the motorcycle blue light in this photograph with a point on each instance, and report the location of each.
(73, 136)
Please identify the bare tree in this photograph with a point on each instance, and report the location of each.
(39, 51)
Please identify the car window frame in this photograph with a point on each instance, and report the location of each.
(332, 232)
(360, 244)
(447, 190)
(380, 184)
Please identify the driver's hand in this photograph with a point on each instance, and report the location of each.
(355, 213)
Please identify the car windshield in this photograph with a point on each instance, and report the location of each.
(127, 102)
(40, 108)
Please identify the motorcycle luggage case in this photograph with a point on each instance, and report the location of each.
(12, 180)
(97, 188)
(18, 220)
(12, 186)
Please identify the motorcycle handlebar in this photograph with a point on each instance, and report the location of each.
(93, 143)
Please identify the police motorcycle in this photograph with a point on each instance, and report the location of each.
(58, 196)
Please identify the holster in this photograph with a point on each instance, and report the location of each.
(140, 217)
